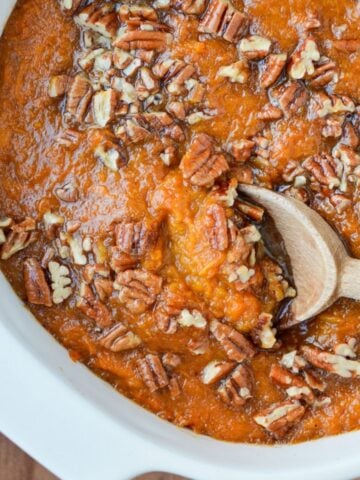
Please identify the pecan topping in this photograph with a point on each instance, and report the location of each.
(119, 338)
(332, 363)
(215, 371)
(21, 237)
(216, 227)
(153, 373)
(280, 417)
(291, 97)
(238, 72)
(241, 150)
(254, 47)
(138, 289)
(192, 319)
(142, 12)
(332, 127)
(37, 289)
(346, 349)
(323, 104)
(78, 97)
(302, 60)
(193, 7)
(200, 164)
(104, 104)
(70, 6)
(264, 333)
(99, 18)
(120, 261)
(132, 132)
(325, 72)
(144, 39)
(350, 137)
(296, 386)
(67, 193)
(237, 388)
(60, 282)
(135, 238)
(254, 212)
(292, 361)
(58, 85)
(236, 346)
(222, 19)
(272, 68)
(90, 306)
(269, 112)
(323, 169)
(179, 77)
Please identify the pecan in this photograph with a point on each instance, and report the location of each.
(301, 62)
(270, 112)
(331, 363)
(135, 238)
(324, 73)
(215, 371)
(153, 373)
(76, 248)
(340, 202)
(142, 12)
(132, 132)
(172, 304)
(146, 84)
(96, 269)
(103, 287)
(241, 150)
(264, 333)
(200, 164)
(90, 306)
(51, 223)
(291, 97)
(100, 18)
(109, 153)
(272, 68)
(238, 72)
(222, 19)
(17, 240)
(67, 193)
(196, 91)
(138, 289)
(5, 222)
(177, 86)
(193, 7)
(69, 138)
(254, 47)
(177, 109)
(216, 227)
(254, 212)
(280, 417)
(78, 97)
(236, 346)
(347, 46)
(120, 261)
(104, 106)
(350, 137)
(323, 169)
(143, 39)
(198, 346)
(167, 68)
(37, 289)
(192, 319)
(70, 6)
(296, 386)
(332, 127)
(292, 170)
(58, 85)
(237, 388)
(346, 349)
(292, 361)
(314, 381)
(323, 104)
(60, 282)
(118, 338)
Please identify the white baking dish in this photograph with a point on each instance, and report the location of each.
(81, 429)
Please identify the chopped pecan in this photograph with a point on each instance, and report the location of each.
(291, 97)
(292, 361)
(350, 136)
(58, 85)
(270, 112)
(241, 150)
(146, 84)
(153, 372)
(312, 22)
(135, 238)
(237, 388)
(346, 349)
(171, 360)
(215, 371)
(118, 338)
(138, 289)
(143, 39)
(301, 62)
(143, 12)
(200, 164)
(104, 106)
(192, 318)
(272, 68)
(100, 18)
(90, 306)
(340, 202)
(292, 170)
(78, 97)
(322, 104)
(103, 287)
(52, 222)
(76, 248)
(280, 417)
(69, 138)
(296, 386)
(70, 6)
(193, 7)
(264, 334)
(177, 85)
(254, 212)
(132, 132)
(5, 222)
(254, 47)
(19, 239)
(120, 261)
(216, 227)
(177, 109)
(347, 46)
(222, 19)
(67, 193)
(331, 363)
(109, 153)
(37, 289)
(236, 346)
(197, 117)
(324, 73)
(323, 169)
(238, 72)
(332, 127)
(60, 282)
(314, 381)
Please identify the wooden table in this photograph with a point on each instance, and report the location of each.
(17, 465)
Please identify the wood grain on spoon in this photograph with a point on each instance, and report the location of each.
(322, 269)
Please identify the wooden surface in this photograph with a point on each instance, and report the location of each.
(17, 465)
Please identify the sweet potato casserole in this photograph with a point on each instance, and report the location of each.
(126, 127)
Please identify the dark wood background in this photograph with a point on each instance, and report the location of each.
(17, 465)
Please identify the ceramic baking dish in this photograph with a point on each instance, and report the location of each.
(81, 429)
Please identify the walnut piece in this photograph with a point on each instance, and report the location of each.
(272, 68)
(332, 363)
(216, 227)
(118, 338)
(200, 164)
(138, 289)
(302, 60)
(236, 346)
(60, 282)
(37, 289)
(90, 306)
(280, 417)
(254, 47)
(237, 387)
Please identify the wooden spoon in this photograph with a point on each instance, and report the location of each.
(321, 267)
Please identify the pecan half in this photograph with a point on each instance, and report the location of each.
(100, 18)
(119, 338)
(138, 289)
(236, 346)
(153, 372)
(323, 169)
(215, 371)
(135, 238)
(324, 73)
(78, 97)
(280, 417)
(37, 289)
(60, 282)
(216, 227)
(70, 6)
(331, 363)
(254, 47)
(291, 97)
(237, 387)
(90, 306)
(222, 19)
(200, 164)
(301, 62)
(272, 68)
(296, 386)
(144, 39)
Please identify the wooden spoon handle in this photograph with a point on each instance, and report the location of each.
(349, 284)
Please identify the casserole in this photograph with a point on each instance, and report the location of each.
(79, 428)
